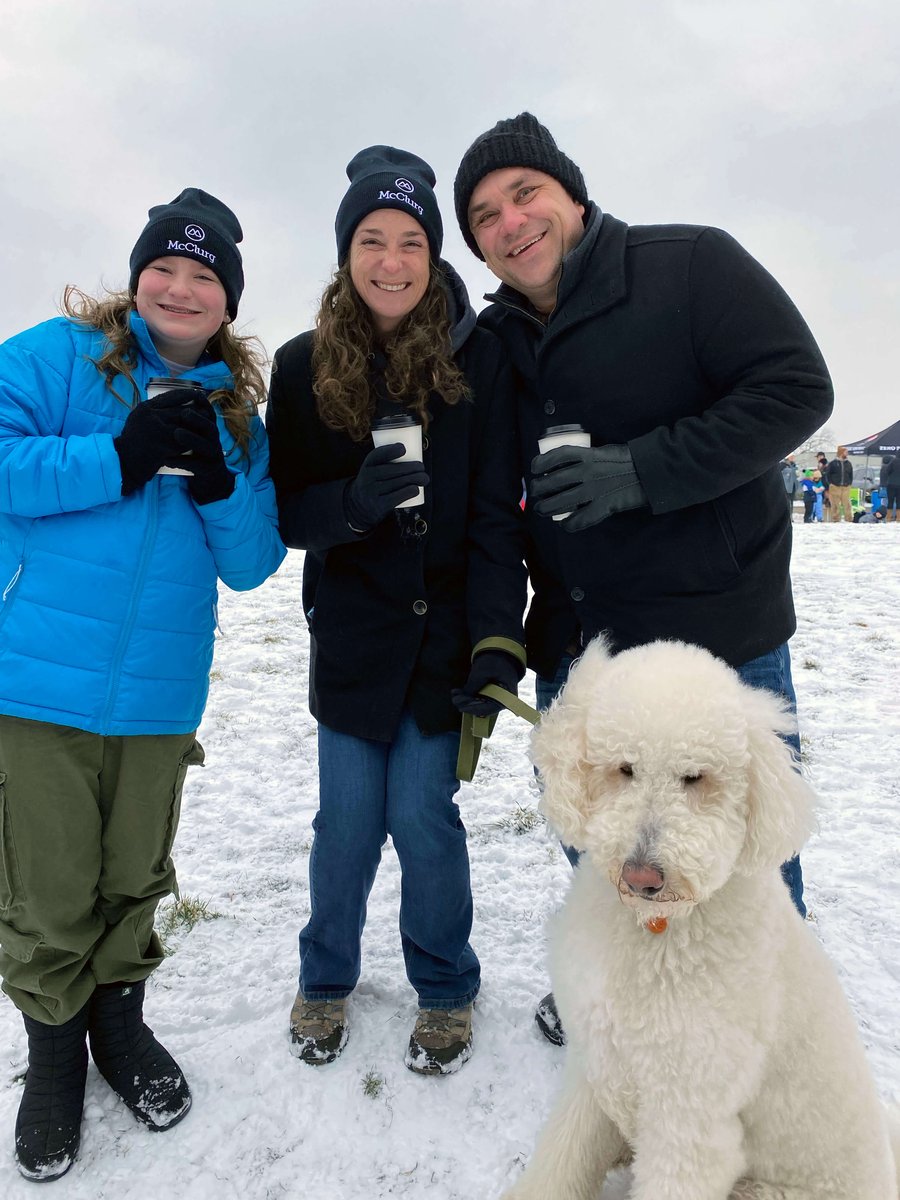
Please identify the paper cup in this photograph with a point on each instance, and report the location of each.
(563, 435)
(407, 430)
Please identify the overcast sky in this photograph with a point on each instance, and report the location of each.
(778, 120)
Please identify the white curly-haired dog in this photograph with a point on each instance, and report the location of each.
(709, 1041)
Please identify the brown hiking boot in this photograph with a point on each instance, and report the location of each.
(548, 1022)
(441, 1041)
(318, 1030)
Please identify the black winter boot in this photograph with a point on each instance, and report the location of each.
(141, 1071)
(48, 1125)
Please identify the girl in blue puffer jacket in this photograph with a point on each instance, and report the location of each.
(118, 514)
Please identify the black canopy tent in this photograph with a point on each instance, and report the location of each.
(876, 446)
(885, 444)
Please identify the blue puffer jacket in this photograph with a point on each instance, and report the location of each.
(108, 609)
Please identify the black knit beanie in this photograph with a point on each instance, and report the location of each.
(194, 225)
(521, 141)
(385, 177)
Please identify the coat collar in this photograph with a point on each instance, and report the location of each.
(210, 373)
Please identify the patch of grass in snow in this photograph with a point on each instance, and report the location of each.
(216, 676)
(878, 639)
(372, 1084)
(182, 914)
(265, 668)
(811, 664)
(523, 819)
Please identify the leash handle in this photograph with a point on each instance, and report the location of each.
(476, 729)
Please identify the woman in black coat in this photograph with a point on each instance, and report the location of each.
(411, 610)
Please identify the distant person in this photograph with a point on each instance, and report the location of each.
(840, 479)
(788, 467)
(819, 492)
(890, 481)
(808, 495)
(822, 468)
(109, 568)
(692, 373)
(411, 610)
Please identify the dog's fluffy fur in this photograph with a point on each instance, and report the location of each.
(720, 1055)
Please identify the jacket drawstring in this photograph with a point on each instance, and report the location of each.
(12, 583)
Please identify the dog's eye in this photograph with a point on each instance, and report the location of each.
(688, 779)
(626, 769)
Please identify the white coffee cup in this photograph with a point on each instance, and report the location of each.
(402, 427)
(165, 383)
(563, 435)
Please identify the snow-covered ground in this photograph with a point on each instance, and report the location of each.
(266, 1126)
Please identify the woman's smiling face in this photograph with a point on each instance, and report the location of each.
(390, 265)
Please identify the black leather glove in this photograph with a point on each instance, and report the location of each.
(380, 486)
(590, 482)
(147, 441)
(490, 666)
(211, 479)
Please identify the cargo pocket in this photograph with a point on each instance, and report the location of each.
(194, 757)
(11, 890)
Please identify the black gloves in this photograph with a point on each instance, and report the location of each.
(490, 666)
(380, 486)
(211, 479)
(590, 482)
(147, 441)
(160, 431)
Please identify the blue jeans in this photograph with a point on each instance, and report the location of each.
(368, 790)
(771, 671)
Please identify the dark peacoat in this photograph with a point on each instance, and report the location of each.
(673, 340)
(393, 619)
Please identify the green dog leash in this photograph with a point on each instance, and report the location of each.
(476, 729)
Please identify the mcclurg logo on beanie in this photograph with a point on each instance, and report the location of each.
(520, 141)
(385, 177)
(194, 225)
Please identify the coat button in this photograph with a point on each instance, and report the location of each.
(549, 407)
(577, 593)
(420, 608)
(421, 527)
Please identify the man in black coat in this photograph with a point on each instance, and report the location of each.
(694, 375)
(889, 479)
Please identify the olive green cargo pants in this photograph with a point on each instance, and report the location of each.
(86, 831)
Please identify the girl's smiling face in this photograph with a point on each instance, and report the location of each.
(183, 304)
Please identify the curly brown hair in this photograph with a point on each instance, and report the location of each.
(244, 357)
(418, 355)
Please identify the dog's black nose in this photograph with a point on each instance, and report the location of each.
(643, 879)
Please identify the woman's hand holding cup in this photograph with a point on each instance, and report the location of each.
(383, 483)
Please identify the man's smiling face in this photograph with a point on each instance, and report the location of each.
(525, 223)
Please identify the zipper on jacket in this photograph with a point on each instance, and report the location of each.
(137, 591)
(512, 306)
(12, 583)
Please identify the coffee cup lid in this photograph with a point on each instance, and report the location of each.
(551, 430)
(400, 420)
(174, 381)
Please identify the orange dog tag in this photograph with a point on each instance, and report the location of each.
(657, 924)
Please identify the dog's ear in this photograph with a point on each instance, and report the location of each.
(781, 815)
(558, 746)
